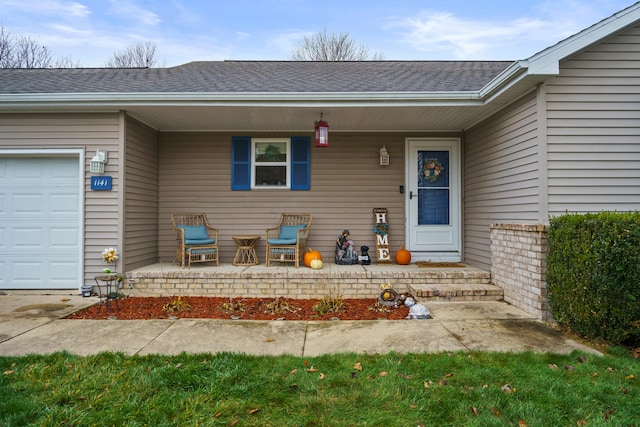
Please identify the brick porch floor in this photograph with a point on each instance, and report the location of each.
(351, 281)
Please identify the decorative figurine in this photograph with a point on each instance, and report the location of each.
(345, 254)
(416, 311)
(364, 257)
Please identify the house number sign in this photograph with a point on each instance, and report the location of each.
(381, 230)
(101, 183)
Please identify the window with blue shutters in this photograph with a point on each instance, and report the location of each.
(259, 163)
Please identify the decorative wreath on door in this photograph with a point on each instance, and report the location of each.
(432, 170)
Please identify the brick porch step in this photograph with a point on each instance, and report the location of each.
(457, 292)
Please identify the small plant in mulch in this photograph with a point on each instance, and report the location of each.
(379, 308)
(233, 306)
(176, 306)
(280, 306)
(331, 303)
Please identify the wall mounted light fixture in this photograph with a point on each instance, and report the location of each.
(96, 165)
(384, 156)
(322, 133)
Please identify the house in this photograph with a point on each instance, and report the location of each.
(481, 154)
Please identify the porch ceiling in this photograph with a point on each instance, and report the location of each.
(301, 119)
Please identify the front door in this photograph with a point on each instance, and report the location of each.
(433, 202)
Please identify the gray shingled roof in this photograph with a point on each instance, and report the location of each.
(260, 76)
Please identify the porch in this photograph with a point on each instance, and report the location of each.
(464, 283)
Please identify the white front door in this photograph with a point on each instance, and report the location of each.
(433, 199)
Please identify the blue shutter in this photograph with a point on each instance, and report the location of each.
(300, 163)
(241, 163)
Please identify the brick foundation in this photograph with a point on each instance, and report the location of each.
(302, 283)
(518, 265)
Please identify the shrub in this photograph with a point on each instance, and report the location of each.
(593, 274)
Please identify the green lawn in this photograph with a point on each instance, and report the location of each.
(447, 389)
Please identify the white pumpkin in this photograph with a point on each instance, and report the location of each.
(316, 264)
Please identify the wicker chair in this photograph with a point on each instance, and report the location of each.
(288, 241)
(197, 240)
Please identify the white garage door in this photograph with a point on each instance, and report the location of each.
(40, 223)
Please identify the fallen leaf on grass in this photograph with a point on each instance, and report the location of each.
(522, 423)
(495, 411)
(581, 423)
(508, 389)
(630, 377)
(474, 411)
(293, 371)
(609, 412)
(234, 422)
(383, 374)
(322, 376)
(253, 411)
(569, 368)
(9, 372)
(312, 369)
(358, 366)
(553, 366)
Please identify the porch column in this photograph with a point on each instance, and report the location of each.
(519, 266)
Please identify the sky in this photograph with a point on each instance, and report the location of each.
(89, 32)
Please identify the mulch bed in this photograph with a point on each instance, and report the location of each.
(141, 308)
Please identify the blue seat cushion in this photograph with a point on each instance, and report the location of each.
(288, 232)
(194, 232)
(197, 242)
(282, 241)
(203, 251)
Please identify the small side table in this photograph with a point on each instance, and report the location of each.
(246, 253)
(111, 282)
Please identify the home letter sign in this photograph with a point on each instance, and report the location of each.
(381, 230)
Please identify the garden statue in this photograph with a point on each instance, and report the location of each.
(345, 254)
(364, 257)
(416, 311)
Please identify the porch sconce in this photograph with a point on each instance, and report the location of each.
(384, 156)
(96, 165)
(322, 133)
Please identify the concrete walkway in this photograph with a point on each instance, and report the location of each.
(33, 323)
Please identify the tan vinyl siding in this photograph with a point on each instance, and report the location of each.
(141, 195)
(500, 176)
(76, 131)
(594, 129)
(346, 184)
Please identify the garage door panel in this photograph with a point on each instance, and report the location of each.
(27, 204)
(63, 204)
(40, 223)
(63, 237)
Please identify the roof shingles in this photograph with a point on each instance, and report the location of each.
(260, 76)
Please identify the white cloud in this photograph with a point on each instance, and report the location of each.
(131, 11)
(45, 7)
(468, 38)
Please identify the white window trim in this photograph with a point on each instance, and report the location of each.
(286, 163)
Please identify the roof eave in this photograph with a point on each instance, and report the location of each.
(122, 100)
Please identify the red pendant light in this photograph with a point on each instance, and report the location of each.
(322, 133)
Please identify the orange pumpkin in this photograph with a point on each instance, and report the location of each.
(310, 255)
(403, 257)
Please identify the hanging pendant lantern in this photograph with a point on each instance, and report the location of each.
(322, 133)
